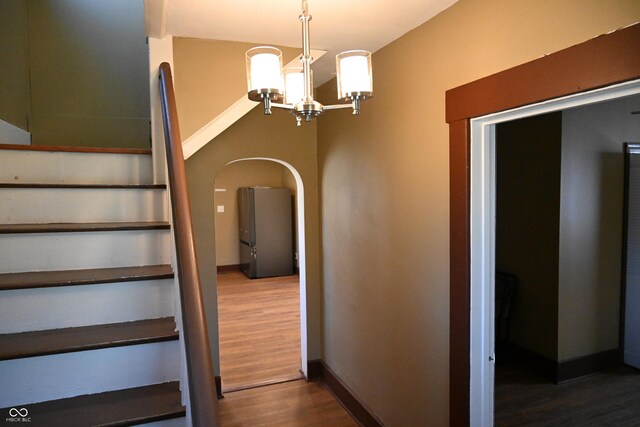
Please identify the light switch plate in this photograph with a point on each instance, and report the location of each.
(220, 208)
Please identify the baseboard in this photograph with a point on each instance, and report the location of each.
(225, 268)
(588, 365)
(218, 380)
(314, 369)
(568, 370)
(541, 364)
(318, 369)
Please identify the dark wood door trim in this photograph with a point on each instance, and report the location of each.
(460, 297)
(600, 62)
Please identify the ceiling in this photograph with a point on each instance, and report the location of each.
(337, 25)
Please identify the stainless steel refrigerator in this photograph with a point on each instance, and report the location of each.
(266, 231)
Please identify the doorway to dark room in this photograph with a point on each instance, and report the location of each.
(558, 260)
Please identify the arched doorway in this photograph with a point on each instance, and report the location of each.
(262, 322)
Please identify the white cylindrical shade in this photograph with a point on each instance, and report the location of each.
(293, 85)
(264, 69)
(355, 76)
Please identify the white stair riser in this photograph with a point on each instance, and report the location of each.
(37, 379)
(83, 250)
(74, 168)
(70, 306)
(47, 205)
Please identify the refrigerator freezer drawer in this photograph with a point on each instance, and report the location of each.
(248, 260)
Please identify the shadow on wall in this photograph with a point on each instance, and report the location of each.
(609, 234)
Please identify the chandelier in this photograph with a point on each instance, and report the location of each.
(292, 88)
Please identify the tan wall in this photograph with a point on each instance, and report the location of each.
(385, 201)
(527, 226)
(591, 225)
(89, 73)
(207, 85)
(242, 174)
(14, 72)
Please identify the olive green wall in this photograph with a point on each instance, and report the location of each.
(76, 71)
(384, 180)
(89, 73)
(14, 72)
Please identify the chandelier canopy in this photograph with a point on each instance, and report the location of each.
(292, 88)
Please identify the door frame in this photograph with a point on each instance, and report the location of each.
(600, 62)
(630, 148)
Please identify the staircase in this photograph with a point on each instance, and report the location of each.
(87, 294)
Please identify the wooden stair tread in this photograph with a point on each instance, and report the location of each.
(47, 279)
(114, 408)
(66, 340)
(80, 227)
(83, 186)
(71, 149)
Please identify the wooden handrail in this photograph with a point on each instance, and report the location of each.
(202, 390)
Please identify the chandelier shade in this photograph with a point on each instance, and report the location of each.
(293, 85)
(354, 74)
(264, 72)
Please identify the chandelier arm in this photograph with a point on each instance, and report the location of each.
(282, 106)
(338, 106)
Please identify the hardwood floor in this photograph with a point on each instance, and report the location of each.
(291, 404)
(525, 398)
(259, 323)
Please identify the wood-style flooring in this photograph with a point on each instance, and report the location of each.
(259, 323)
(292, 404)
(259, 326)
(525, 398)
